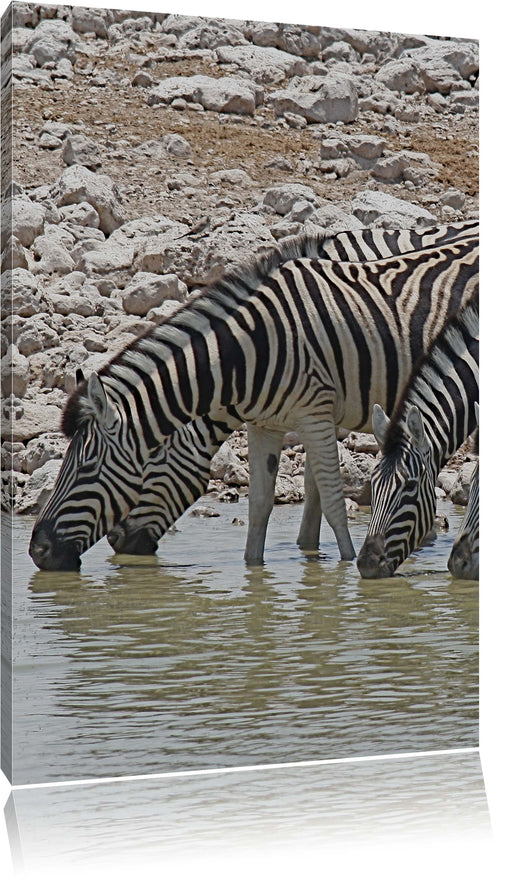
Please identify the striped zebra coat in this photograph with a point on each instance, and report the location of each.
(464, 560)
(434, 416)
(178, 473)
(303, 343)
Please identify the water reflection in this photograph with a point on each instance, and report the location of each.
(190, 660)
(242, 812)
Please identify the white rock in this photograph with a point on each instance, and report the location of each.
(335, 218)
(177, 145)
(222, 460)
(15, 373)
(13, 255)
(376, 208)
(263, 64)
(77, 149)
(27, 220)
(50, 256)
(318, 99)
(81, 214)
(223, 94)
(39, 487)
(401, 75)
(148, 290)
(36, 417)
(283, 197)
(78, 184)
(24, 296)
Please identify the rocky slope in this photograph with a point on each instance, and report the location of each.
(152, 152)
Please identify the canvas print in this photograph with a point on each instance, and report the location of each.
(240, 392)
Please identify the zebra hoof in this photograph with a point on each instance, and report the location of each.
(135, 542)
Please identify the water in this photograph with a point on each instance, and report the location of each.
(189, 659)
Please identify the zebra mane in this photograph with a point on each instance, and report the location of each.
(432, 366)
(76, 411)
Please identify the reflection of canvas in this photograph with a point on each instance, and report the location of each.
(152, 154)
(325, 811)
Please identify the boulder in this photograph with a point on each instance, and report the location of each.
(39, 487)
(32, 419)
(283, 197)
(459, 492)
(374, 208)
(263, 64)
(148, 290)
(78, 184)
(223, 94)
(27, 219)
(79, 150)
(318, 99)
(15, 373)
(22, 296)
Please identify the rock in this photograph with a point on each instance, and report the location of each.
(27, 220)
(453, 198)
(36, 335)
(149, 290)
(446, 480)
(401, 75)
(15, 373)
(25, 296)
(236, 177)
(13, 255)
(177, 145)
(363, 147)
(222, 460)
(34, 418)
(81, 214)
(283, 197)
(52, 40)
(263, 64)
(335, 218)
(96, 259)
(51, 256)
(79, 150)
(78, 184)
(318, 99)
(89, 21)
(289, 489)
(223, 94)
(375, 208)
(236, 474)
(203, 512)
(362, 442)
(39, 487)
(164, 311)
(460, 490)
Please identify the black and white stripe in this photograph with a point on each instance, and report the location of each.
(435, 415)
(290, 342)
(178, 473)
(464, 559)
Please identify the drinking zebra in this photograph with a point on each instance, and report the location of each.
(289, 342)
(434, 416)
(178, 473)
(463, 562)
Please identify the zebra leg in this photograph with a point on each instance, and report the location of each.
(319, 439)
(265, 447)
(309, 533)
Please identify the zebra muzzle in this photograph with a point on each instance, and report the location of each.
(372, 561)
(49, 554)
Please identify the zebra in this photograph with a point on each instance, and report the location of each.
(433, 417)
(178, 473)
(288, 342)
(463, 562)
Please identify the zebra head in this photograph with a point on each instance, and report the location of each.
(403, 495)
(100, 479)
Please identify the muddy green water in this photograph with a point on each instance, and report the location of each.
(189, 659)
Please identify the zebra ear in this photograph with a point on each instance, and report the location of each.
(79, 376)
(380, 423)
(415, 427)
(103, 410)
(477, 413)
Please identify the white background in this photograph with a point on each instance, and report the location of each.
(490, 23)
